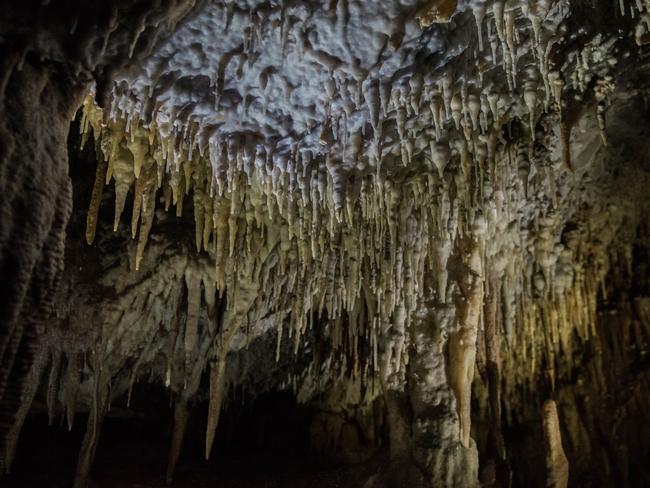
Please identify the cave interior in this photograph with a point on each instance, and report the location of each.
(342, 243)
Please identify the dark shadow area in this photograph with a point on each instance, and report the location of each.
(262, 444)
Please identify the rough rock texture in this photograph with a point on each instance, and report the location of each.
(413, 215)
(36, 205)
(49, 54)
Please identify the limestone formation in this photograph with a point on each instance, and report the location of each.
(413, 216)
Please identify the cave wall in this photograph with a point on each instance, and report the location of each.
(50, 53)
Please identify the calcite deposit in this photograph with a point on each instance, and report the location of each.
(418, 217)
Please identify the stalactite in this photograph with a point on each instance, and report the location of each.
(462, 343)
(565, 141)
(147, 211)
(492, 348)
(123, 175)
(95, 201)
(53, 385)
(190, 341)
(93, 427)
(217, 391)
(71, 387)
(181, 415)
(137, 206)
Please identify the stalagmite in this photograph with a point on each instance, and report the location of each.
(557, 465)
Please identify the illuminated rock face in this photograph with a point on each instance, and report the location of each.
(422, 198)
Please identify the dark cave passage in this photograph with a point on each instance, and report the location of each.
(265, 443)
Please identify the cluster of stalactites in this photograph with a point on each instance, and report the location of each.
(360, 261)
(347, 242)
(437, 115)
(356, 258)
